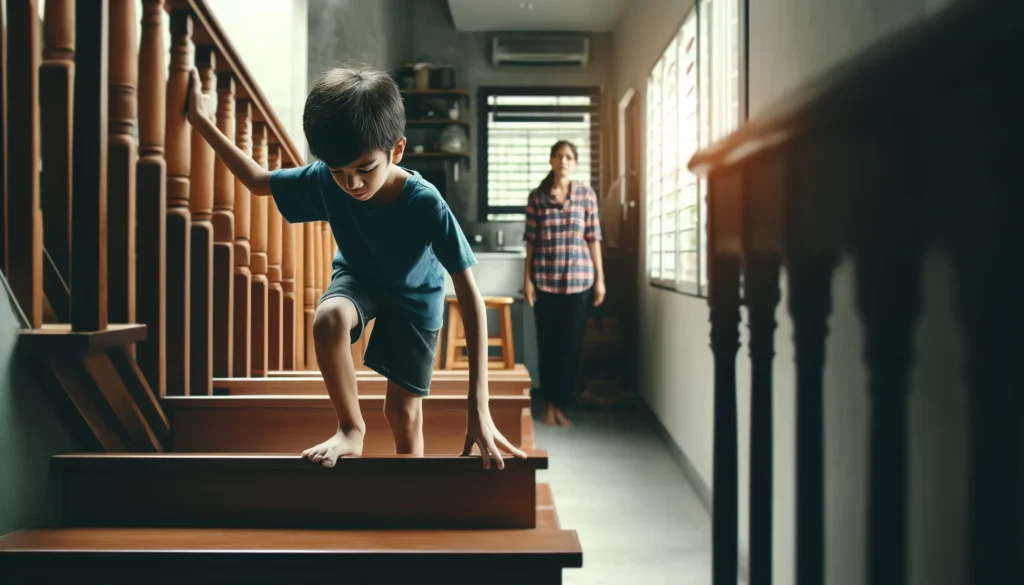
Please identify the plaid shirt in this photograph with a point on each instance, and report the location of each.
(560, 233)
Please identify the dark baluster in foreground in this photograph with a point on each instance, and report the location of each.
(887, 244)
(764, 188)
(810, 260)
(89, 216)
(724, 248)
(978, 143)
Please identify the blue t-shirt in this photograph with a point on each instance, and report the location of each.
(396, 250)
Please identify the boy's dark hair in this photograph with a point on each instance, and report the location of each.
(351, 111)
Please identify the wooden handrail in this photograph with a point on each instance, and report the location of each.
(889, 78)
(209, 30)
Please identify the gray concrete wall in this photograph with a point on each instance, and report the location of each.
(790, 42)
(30, 433)
(389, 33)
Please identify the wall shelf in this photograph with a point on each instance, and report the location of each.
(436, 122)
(436, 155)
(437, 92)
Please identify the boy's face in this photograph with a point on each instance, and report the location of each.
(363, 177)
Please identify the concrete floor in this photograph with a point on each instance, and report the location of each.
(615, 482)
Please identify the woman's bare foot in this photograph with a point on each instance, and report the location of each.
(340, 445)
(548, 417)
(561, 418)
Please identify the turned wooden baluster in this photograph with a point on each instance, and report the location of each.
(124, 73)
(275, 310)
(260, 282)
(24, 218)
(288, 304)
(201, 210)
(223, 221)
(313, 275)
(242, 360)
(3, 143)
(56, 76)
(89, 179)
(300, 296)
(763, 195)
(326, 241)
(810, 258)
(179, 219)
(724, 252)
(151, 199)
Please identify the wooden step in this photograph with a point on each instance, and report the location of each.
(291, 424)
(211, 556)
(266, 491)
(546, 512)
(515, 382)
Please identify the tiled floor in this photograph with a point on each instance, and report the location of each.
(638, 519)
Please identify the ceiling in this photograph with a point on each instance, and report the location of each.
(545, 15)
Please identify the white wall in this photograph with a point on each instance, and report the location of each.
(271, 37)
(790, 42)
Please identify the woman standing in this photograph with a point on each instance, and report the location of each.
(563, 275)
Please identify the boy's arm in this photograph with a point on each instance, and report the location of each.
(471, 305)
(480, 428)
(244, 168)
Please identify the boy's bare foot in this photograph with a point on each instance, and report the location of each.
(548, 417)
(348, 444)
(561, 418)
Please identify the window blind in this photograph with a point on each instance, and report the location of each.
(520, 126)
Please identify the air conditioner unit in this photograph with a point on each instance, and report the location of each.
(512, 50)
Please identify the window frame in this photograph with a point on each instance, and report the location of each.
(698, 288)
(484, 208)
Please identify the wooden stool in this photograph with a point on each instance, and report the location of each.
(454, 357)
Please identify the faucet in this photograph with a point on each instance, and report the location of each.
(500, 236)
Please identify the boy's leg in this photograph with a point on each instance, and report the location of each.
(404, 413)
(332, 336)
(404, 354)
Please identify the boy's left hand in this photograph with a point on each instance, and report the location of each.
(480, 431)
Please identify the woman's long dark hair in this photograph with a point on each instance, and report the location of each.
(549, 181)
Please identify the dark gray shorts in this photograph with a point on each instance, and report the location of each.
(399, 350)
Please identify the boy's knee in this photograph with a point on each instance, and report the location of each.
(406, 412)
(334, 321)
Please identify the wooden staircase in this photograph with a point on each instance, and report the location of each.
(170, 319)
(170, 518)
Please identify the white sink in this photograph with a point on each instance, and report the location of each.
(496, 274)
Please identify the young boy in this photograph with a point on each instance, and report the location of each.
(394, 235)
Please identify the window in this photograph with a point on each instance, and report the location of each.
(694, 97)
(520, 126)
